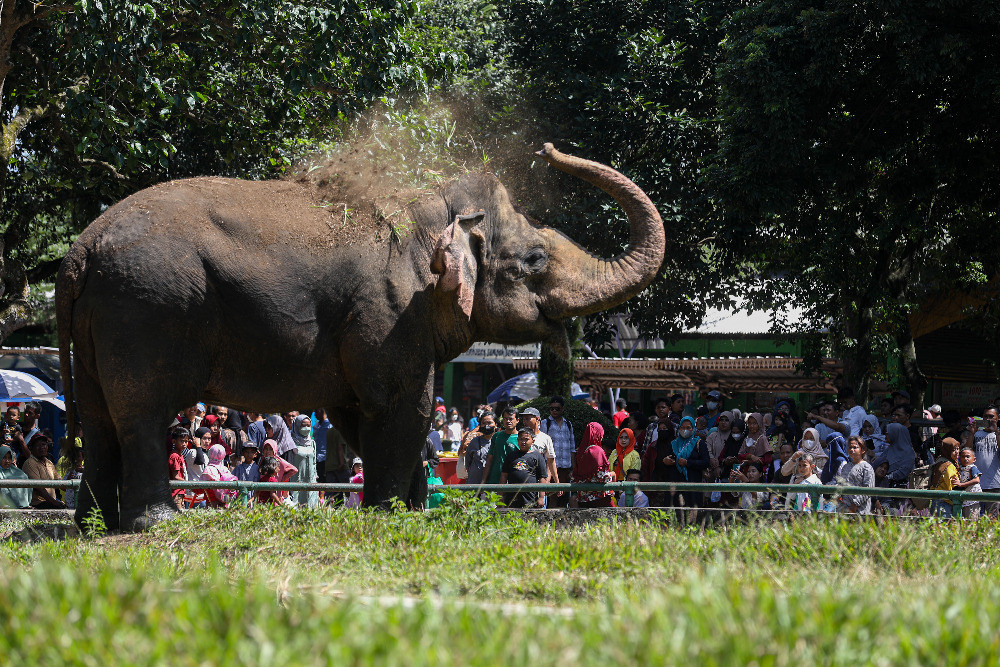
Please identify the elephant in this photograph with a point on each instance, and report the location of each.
(235, 292)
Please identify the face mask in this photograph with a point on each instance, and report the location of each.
(454, 418)
(737, 436)
(712, 405)
(303, 430)
(685, 433)
(487, 429)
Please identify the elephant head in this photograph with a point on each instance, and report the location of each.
(522, 279)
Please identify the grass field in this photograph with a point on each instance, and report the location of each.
(465, 585)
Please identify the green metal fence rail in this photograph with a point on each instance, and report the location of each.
(813, 490)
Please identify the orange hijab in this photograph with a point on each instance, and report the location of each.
(622, 453)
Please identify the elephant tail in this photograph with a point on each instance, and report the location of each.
(69, 285)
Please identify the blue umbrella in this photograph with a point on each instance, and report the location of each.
(525, 387)
(18, 387)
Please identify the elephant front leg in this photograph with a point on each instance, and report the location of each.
(391, 443)
(391, 455)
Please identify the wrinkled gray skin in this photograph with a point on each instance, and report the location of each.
(203, 290)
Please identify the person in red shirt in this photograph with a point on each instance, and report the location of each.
(175, 464)
(621, 415)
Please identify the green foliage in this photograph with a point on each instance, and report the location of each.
(629, 85)
(279, 586)
(470, 513)
(93, 523)
(856, 140)
(128, 94)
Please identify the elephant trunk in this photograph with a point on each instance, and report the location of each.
(583, 284)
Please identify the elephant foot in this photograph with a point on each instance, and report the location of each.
(147, 517)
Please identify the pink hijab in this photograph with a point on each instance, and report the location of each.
(590, 457)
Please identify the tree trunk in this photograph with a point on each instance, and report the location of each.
(555, 374)
(858, 364)
(914, 380)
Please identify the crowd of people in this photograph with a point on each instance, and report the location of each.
(835, 442)
(26, 454)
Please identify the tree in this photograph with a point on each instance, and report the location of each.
(100, 99)
(860, 141)
(631, 85)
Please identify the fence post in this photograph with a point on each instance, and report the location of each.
(630, 495)
(956, 509)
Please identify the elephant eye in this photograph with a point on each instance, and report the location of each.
(535, 260)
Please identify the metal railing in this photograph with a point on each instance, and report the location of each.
(814, 491)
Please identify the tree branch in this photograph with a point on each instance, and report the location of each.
(103, 165)
(16, 125)
(43, 271)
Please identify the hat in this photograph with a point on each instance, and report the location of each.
(531, 411)
(902, 392)
(249, 444)
(936, 409)
(714, 394)
(356, 462)
(439, 399)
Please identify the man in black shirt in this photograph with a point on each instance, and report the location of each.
(527, 468)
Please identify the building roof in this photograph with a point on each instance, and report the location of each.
(728, 375)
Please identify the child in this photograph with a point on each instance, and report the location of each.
(751, 472)
(883, 505)
(968, 480)
(76, 472)
(639, 499)
(247, 471)
(216, 471)
(805, 473)
(944, 476)
(357, 477)
(176, 467)
(268, 473)
(701, 426)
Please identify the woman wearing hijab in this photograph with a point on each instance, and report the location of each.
(592, 468)
(12, 498)
(282, 437)
(687, 458)
(285, 469)
(809, 444)
(899, 453)
(216, 471)
(836, 448)
(212, 423)
(785, 407)
(716, 441)
(234, 422)
(756, 447)
(875, 442)
(196, 457)
(305, 460)
(730, 456)
(624, 457)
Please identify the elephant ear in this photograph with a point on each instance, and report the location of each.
(455, 262)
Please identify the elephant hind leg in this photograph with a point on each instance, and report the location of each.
(145, 490)
(102, 472)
